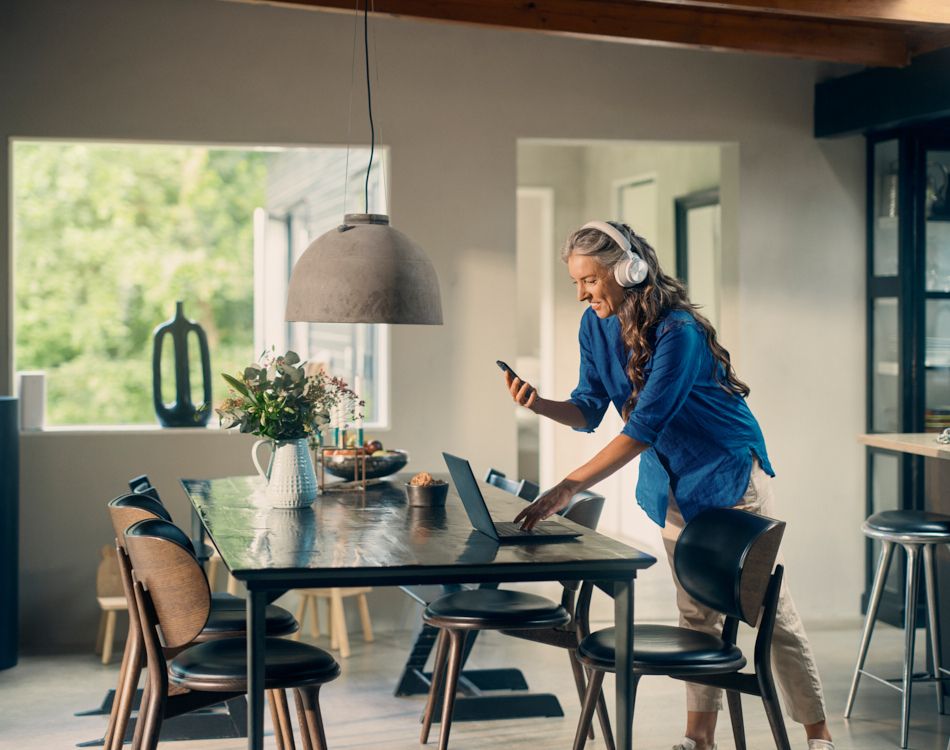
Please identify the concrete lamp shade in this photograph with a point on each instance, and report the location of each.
(364, 271)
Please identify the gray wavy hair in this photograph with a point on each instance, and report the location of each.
(600, 246)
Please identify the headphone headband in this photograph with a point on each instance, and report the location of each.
(611, 231)
(629, 271)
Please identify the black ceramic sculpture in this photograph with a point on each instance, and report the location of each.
(182, 412)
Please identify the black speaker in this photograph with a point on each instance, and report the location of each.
(9, 529)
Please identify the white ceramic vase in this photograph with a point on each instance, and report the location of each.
(291, 480)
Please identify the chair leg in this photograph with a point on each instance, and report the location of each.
(338, 623)
(275, 720)
(125, 692)
(279, 698)
(435, 686)
(734, 697)
(315, 616)
(364, 618)
(933, 618)
(113, 713)
(910, 623)
(456, 647)
(884, 564)
(604, 719)
(101, 632)
(580, 682)
(139, 732)
(305, 739)
(314, 719)
(109, 637)
(331, 619)
(594, 689)
(763, 671)
(301, 615)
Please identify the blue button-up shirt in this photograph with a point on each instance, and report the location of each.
(702, 438)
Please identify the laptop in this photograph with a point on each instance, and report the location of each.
(503, 532)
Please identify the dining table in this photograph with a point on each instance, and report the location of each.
(373, 537)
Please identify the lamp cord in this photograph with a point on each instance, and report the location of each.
(349, 112)
(369, 105)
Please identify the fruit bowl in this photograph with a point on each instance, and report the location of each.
(342, 463)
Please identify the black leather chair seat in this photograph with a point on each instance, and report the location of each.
(495, 609)
(909, 522)
(664, 649)
(222, 665)
(229, 615)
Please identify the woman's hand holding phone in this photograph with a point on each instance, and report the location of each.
(521, 392)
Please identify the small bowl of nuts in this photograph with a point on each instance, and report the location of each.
(423, 490)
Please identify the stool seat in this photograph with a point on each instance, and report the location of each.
(912, 523)
(221, 665)
(495, 609)
(664, 649)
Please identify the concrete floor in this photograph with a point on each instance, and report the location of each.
(39, 696)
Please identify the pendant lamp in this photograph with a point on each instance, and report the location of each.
(364, 271)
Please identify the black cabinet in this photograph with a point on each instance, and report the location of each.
(908, 314)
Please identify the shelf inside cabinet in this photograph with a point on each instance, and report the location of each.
(888, 368)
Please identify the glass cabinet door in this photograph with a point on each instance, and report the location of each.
(886, 206)
(937, 291)
(885, 363)
(885, 416)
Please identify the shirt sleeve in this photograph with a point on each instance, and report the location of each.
(590, 396)
(677, 357)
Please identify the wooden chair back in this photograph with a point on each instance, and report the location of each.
(130, 508)
(167, 569)
(724, 559)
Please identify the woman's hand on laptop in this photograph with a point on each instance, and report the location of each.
(548, 503)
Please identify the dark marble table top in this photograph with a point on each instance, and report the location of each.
(350, 539)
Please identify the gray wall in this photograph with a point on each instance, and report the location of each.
(453, 103)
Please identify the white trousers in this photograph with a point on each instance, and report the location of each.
(793, 663)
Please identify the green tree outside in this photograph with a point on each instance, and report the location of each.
(106, 238)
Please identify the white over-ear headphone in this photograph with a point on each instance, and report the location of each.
(629, 271)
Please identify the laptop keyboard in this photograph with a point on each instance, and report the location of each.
(507, 528)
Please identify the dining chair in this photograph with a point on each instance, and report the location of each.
(336, 627)
(227, 617)
(142, 485)
(111, 600)
(724, 559)
(523, 488)
(175, 605)
(515, 614)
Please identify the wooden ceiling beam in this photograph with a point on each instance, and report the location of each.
(672, 24)
(883, 11)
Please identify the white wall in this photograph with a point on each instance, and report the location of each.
(453, 103)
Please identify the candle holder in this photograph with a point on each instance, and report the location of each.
(358, 483)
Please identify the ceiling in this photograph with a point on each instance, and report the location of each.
(878, 33)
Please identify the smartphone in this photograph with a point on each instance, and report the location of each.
(503, 366)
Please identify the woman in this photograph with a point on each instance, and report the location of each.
(646, 349)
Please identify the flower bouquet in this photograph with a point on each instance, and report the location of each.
(286, 403)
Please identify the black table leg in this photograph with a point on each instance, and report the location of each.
(256, 602)
(623, 628)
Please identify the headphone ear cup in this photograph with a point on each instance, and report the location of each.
(631, 271)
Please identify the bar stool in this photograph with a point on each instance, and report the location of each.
(915, 531)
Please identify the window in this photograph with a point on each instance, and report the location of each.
(108, 236)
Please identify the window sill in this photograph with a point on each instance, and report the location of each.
(144, 429)
(132, 429)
